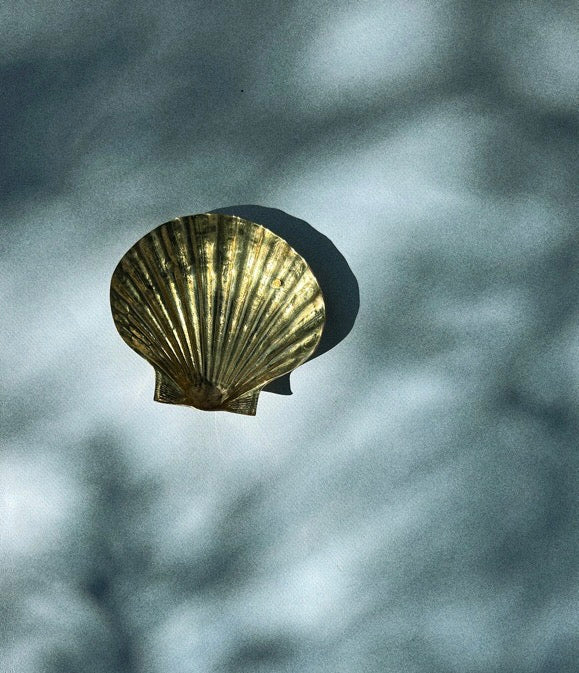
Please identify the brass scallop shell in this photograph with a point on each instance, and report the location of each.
(220, 306)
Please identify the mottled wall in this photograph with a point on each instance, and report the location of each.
(413, 506)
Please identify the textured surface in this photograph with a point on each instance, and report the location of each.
(219, 306)
(413, 506)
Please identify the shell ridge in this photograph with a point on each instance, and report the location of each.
(169, 245)
(242, 330)
(233, 325)
(271, 355)
(304, 326)
(137, 274)
(228, 289)
(138, 342)
(198, 295)
(168, 291)
(181, 260)
(137, 321)
(135, 330)
(192, 294)
(244, 404)
(217, 303)
(207, 288)
(282, 268)
(302, 334)
(247, 343)
(286, 357)
(168, 333)
(167, 286)
(263, 330)
(269, 298)
(297, 310)
(238, 306)
(167, 390)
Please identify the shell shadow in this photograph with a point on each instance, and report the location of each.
(336, 279)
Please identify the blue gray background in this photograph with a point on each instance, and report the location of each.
(413, 506)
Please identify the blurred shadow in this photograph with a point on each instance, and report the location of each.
(262, 653)
(115, 555)
(337, 281)
(45, 127)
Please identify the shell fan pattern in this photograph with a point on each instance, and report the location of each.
(220, 306)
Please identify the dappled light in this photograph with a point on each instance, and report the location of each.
(412, 506)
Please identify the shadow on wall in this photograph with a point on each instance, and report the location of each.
(338, 283)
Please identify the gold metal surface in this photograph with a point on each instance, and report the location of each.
(220, 306)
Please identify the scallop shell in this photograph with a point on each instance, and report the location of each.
(220, 306)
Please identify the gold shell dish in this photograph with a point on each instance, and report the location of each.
(220, 306)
